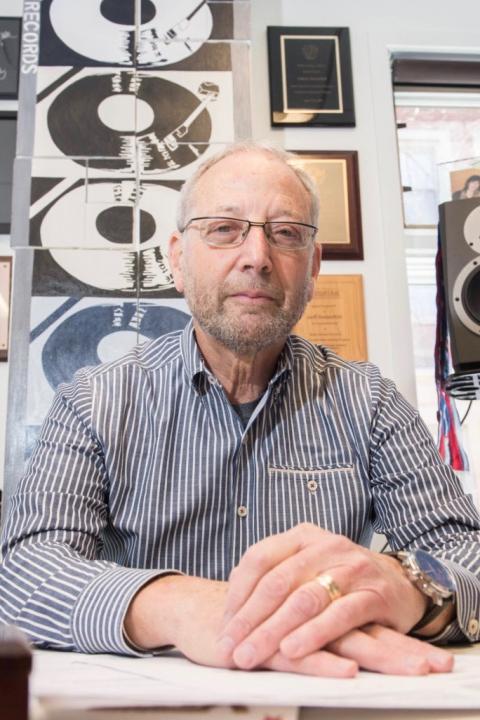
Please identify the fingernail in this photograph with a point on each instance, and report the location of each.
(245, 655)
(441, 661)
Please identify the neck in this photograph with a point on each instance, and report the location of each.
(243, 377)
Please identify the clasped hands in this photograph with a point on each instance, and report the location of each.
(277, 611)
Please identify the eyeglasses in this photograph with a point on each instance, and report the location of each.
(227, 232)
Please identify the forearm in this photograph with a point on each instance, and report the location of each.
(156, 611)
(62, 600)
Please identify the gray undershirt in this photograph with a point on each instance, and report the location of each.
(245, 410)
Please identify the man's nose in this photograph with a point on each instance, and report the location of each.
(256, 250)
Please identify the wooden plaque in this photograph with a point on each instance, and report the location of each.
(335, 316)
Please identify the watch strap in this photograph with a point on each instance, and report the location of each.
(430, 614)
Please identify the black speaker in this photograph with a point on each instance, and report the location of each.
(460, 244)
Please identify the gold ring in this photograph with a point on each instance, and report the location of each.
(329, 584)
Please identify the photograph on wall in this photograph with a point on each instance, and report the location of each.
(132, 122)
(10, 43)
(105, 32)
(465, 183)
(335, 316)
(5, 293)
(310, 73)
(337, 180)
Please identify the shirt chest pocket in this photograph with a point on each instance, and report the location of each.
(330, 497)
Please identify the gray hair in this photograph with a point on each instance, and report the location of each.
(245, 147)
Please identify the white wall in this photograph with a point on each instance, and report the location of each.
(376, 27)
(7, 8)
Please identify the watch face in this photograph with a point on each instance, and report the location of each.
(435, 570)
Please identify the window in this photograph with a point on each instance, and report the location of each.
(438, 132)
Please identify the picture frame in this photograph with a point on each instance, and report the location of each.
(310, 71)
(465, 182)
(10, 44)
(336, 176)
(335, 316)
(5, 296)
(8, 136)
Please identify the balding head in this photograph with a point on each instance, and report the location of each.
(188, 190)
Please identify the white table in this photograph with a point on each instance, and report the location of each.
(60, 679)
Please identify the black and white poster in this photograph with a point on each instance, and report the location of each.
(132, 122)
(145, 33)
(69, 333)
(118, 107)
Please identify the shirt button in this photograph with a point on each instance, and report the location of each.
(473, 626)
(242, 511)
(312, 485)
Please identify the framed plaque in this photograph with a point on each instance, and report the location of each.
(310, 76)
(335, 316)
(5, 292)
(10, 42)
(336, 176)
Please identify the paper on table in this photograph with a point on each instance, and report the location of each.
(88, 681)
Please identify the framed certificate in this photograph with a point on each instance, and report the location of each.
(5, 292)
(335, 316)
(336, 177)
(310, 76)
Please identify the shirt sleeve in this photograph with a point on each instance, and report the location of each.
(419, 502)
(53, 584)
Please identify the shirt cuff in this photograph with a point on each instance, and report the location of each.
(99, 613)
(466, 625)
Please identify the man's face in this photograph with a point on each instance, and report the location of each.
(247, 297)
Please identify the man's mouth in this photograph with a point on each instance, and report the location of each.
(254, 297)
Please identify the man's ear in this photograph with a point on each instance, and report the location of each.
(175, 252)
(316, 262)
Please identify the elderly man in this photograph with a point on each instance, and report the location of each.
(216, 489)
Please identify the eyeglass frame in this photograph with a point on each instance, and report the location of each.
(253, 223)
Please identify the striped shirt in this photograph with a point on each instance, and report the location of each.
(144, 466)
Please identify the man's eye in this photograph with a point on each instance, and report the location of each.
(223, 229)
(287, 232)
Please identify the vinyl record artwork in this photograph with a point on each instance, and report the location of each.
(108, 214)
(132, 122)
(118, 107)
(70, 333)
(104, 237)
(131, 33)
(100, 273)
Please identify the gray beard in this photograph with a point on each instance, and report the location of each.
(239, 334)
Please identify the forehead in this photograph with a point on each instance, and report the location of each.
(251, 179)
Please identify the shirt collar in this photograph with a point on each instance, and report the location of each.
(199, 373)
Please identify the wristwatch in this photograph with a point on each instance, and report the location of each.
(432, 578)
